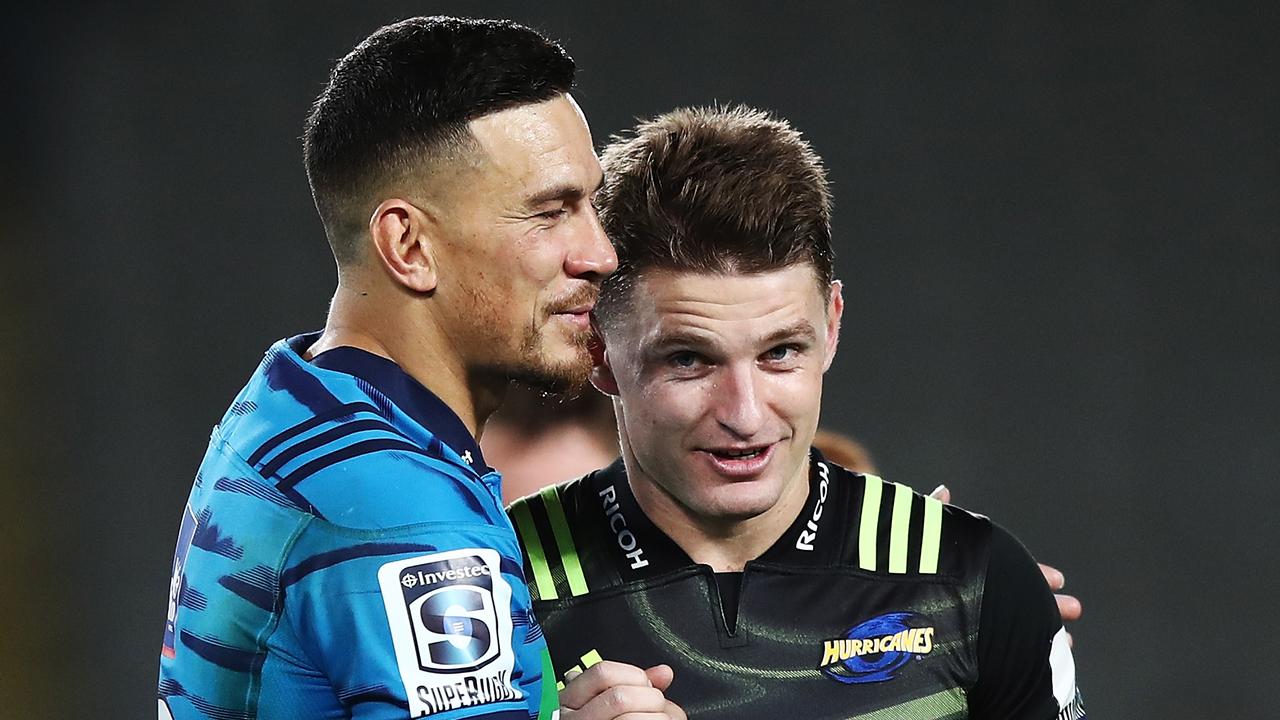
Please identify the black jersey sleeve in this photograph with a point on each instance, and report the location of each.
(1025, 668)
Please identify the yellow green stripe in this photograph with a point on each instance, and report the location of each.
(900, 529)
(542, 581)
(591, 658)
(932, 537)
(564, 541)
(870, 521)
(943, 705)
(550, 689)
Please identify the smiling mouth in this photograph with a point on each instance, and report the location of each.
(579, 302)
(739, 454)
(578, 318)
(739, 462)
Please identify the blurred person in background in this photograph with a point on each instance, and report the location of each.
(536, 439)
(777, 583)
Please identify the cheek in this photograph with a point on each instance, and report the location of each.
(538, 264)
(677, 406)
(663, 413)
(798, 397)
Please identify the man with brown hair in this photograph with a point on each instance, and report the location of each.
(777, 583)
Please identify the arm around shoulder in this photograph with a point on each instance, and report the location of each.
(1025, 665)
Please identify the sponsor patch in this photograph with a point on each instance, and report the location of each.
(1063, 667)
(185, 532)
(810, 533)
(450, 620)
(875, 650)
(627, 541)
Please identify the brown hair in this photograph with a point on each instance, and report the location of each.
(718, 190)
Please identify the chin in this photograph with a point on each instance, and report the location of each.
(557, 376)
(740, 502)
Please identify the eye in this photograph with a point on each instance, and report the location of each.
(684, 360)
(782, 352)
(553, 214)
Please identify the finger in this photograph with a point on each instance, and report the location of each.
(582, 688)
(1069, 607)
(1053, 576)
(588, 715)
(621, 701)
(941, 493)
(660, 676)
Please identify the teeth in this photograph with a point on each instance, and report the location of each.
(741, 453)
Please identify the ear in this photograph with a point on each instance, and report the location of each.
(401, 235)
(835, 309)
(601, 371)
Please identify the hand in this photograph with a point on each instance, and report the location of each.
(617, 691)
(1069, 606)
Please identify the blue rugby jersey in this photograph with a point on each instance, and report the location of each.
(344, 554)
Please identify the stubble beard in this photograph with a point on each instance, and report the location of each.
(538, 357)
(557, 376)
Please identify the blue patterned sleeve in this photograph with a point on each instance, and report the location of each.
(432, 619)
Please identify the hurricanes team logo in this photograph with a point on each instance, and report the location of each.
(875, 650)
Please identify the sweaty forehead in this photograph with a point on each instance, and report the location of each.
(666, 303)
(531, 146)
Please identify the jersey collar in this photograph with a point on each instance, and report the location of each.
(641, 550)
(403, 391)
(814, 538)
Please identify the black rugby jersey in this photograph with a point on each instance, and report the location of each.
(877, 602)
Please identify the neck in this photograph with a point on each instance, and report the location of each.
(727, 544)
(393, 325)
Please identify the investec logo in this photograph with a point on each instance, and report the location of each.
(451, 613)
(450, 620)
(412, 578)
(873, 651)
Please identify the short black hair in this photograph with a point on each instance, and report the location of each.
(717, 190)
(408, 90)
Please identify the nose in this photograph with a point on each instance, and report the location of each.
(592, 256)
(739, 404)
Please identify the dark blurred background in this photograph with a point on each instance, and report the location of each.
(1058, 224)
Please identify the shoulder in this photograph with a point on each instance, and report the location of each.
(1025, 660)
(320, 442)
(553, 515)
(897, 531)
(564, 535)
(570, 498)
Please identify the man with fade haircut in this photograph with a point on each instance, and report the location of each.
(777, 583)
(344, 551)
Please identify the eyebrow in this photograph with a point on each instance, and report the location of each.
(799, 330)
(567, 192)
(675, 338)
